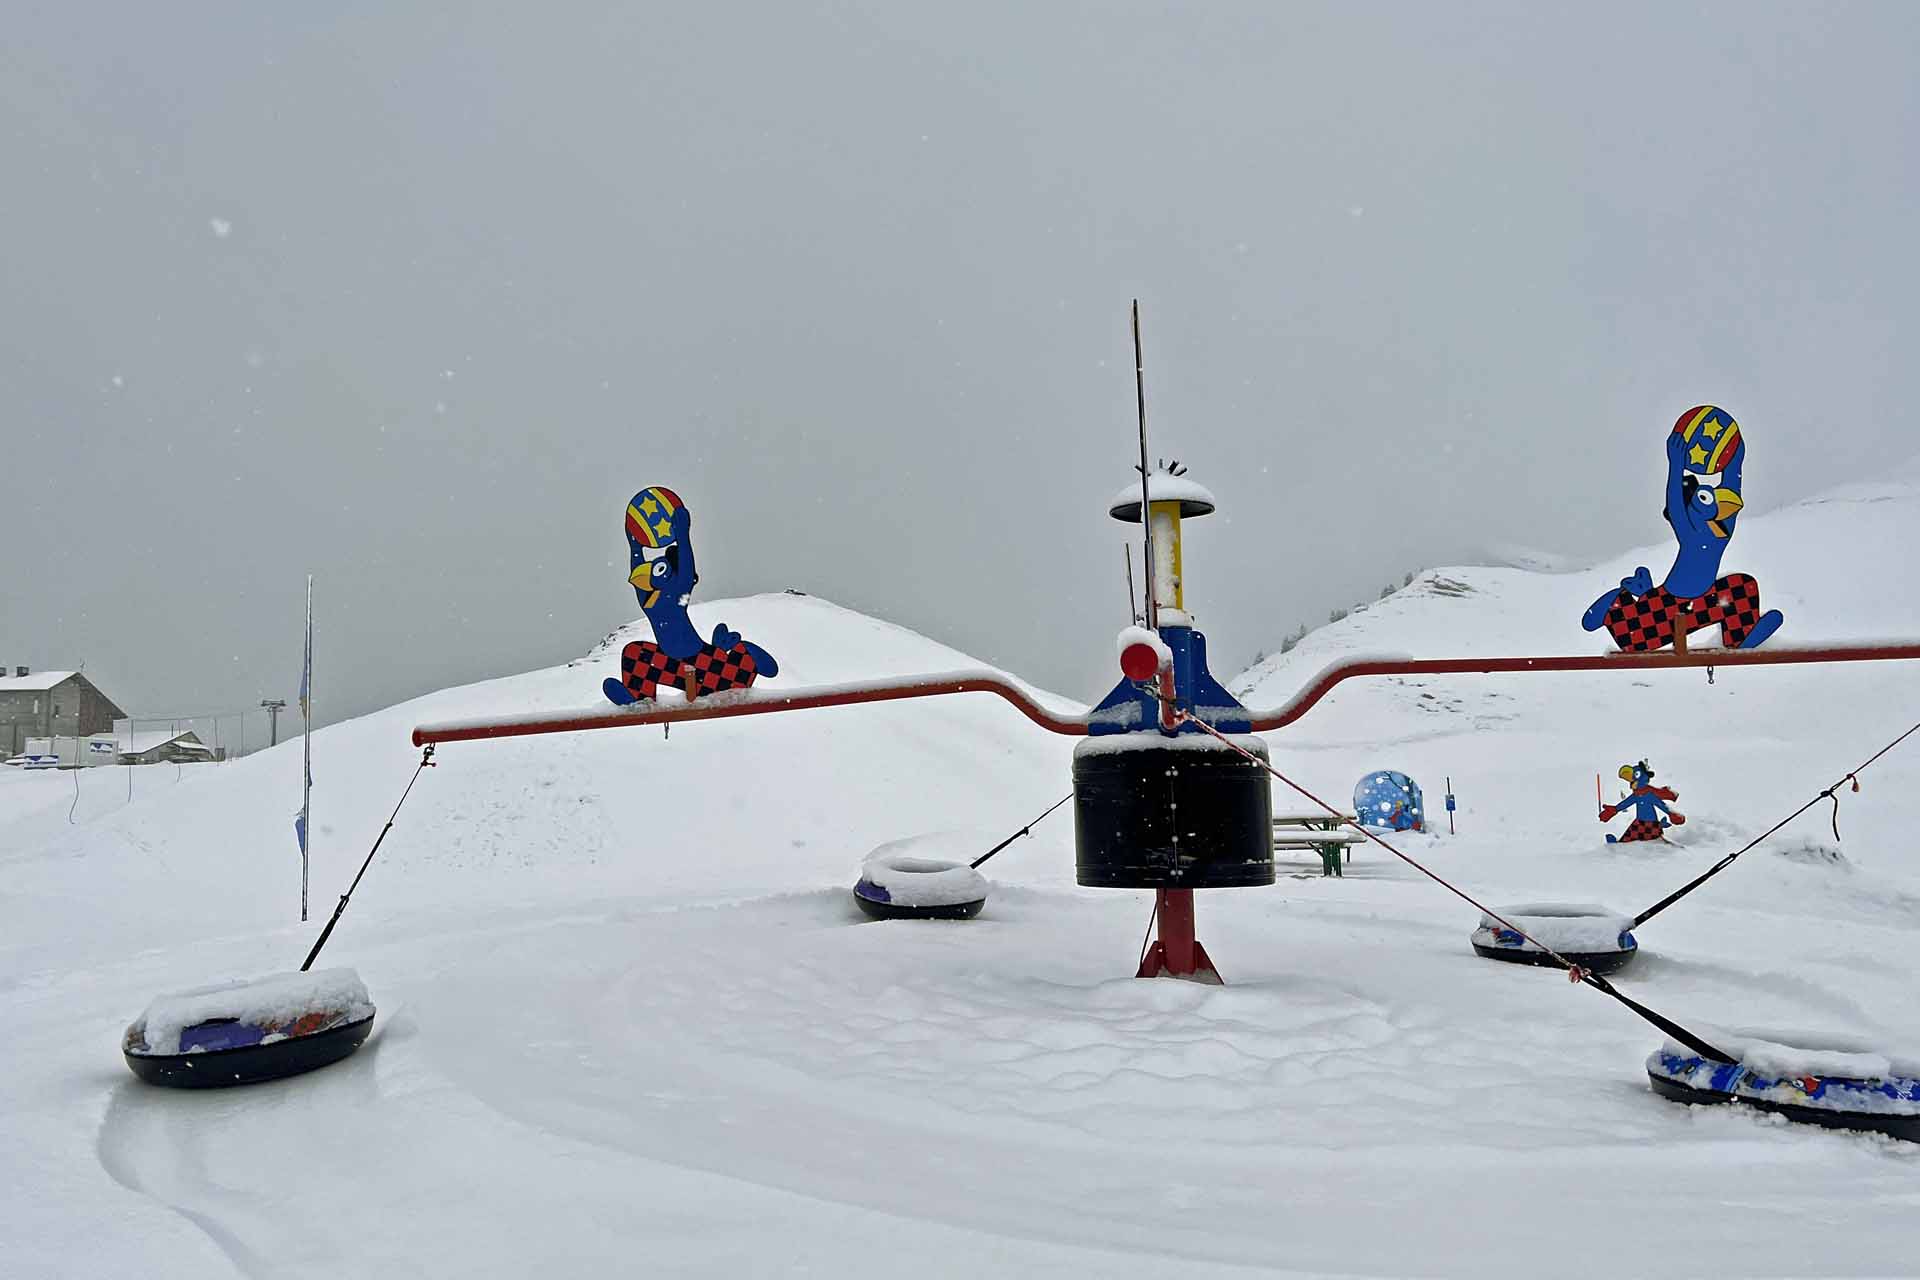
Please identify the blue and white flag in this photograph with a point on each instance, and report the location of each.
(300, 832)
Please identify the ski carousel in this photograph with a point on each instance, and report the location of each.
(1171, 781)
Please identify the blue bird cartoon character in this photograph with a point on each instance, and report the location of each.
(1705, 456)
(1651, 814)
(663, 577)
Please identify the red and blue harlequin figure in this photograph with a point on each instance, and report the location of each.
(663, 577)
(1705, 455)
(1651, 816)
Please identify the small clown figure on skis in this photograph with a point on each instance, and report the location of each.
(1651, 816)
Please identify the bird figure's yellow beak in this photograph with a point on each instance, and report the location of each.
(1729, 507)
(1626, 772)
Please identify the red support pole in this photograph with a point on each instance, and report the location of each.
(1176, 953)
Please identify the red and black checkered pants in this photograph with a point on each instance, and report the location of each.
(645, 666)
(1643, 829)
(1648, 622)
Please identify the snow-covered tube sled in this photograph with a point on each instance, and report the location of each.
(1595, 938)
(901, 881)
(1830, 1081)
(247, 1032)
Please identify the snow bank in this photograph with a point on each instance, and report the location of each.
(271, 1002)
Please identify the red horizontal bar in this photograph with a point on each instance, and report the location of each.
(724, 706)
(721, 707)
(1323, 684)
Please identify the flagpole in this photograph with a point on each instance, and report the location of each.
(306, 737)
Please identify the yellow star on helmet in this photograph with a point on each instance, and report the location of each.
(1712, 428)
(650, 506)
(1697, 455)
(665, 527)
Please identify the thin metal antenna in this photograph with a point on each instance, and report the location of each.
(1133, 610)
(1146, 515)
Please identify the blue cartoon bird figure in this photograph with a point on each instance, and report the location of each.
(1705, 457)
(659, 529)
(1651, 814)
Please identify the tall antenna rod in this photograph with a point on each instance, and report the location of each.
(1146, 512)
(1133, 610)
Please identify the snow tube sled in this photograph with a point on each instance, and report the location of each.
(1820, 1080)
(1596, 939)
(247, 1032)
(898, 882)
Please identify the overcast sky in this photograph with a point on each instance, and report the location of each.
(414, 299)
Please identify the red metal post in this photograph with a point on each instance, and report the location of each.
(1176, 953)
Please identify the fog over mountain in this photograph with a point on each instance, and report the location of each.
(413, 299)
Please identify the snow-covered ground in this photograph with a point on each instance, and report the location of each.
(630, 1021)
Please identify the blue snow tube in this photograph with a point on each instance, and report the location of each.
(1596, 938)
(1835, 1086)
(227, 1052)
(896, 885)
(246, 1032)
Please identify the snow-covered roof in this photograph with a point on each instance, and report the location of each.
(34, 681)
(1193, 497)
(144, 740)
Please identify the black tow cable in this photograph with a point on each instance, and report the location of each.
(426, 761)
(1831, 793)
(1024, 831)
(1664, 1023)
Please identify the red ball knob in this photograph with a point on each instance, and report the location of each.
(1139, 661)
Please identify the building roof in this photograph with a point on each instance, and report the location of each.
(142, 741)
(35, 682)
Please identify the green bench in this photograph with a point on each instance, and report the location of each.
(1320, 831)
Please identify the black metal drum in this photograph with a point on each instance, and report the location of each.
(1151, 812)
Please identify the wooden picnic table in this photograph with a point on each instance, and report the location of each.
(1325, 833)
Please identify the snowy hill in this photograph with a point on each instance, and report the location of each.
(630, 1021)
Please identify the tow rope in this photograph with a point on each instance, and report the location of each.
(426, 762)
(1024, 831)
(1831, 793)
(1574, 972)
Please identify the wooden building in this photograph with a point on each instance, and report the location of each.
(51, 704)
